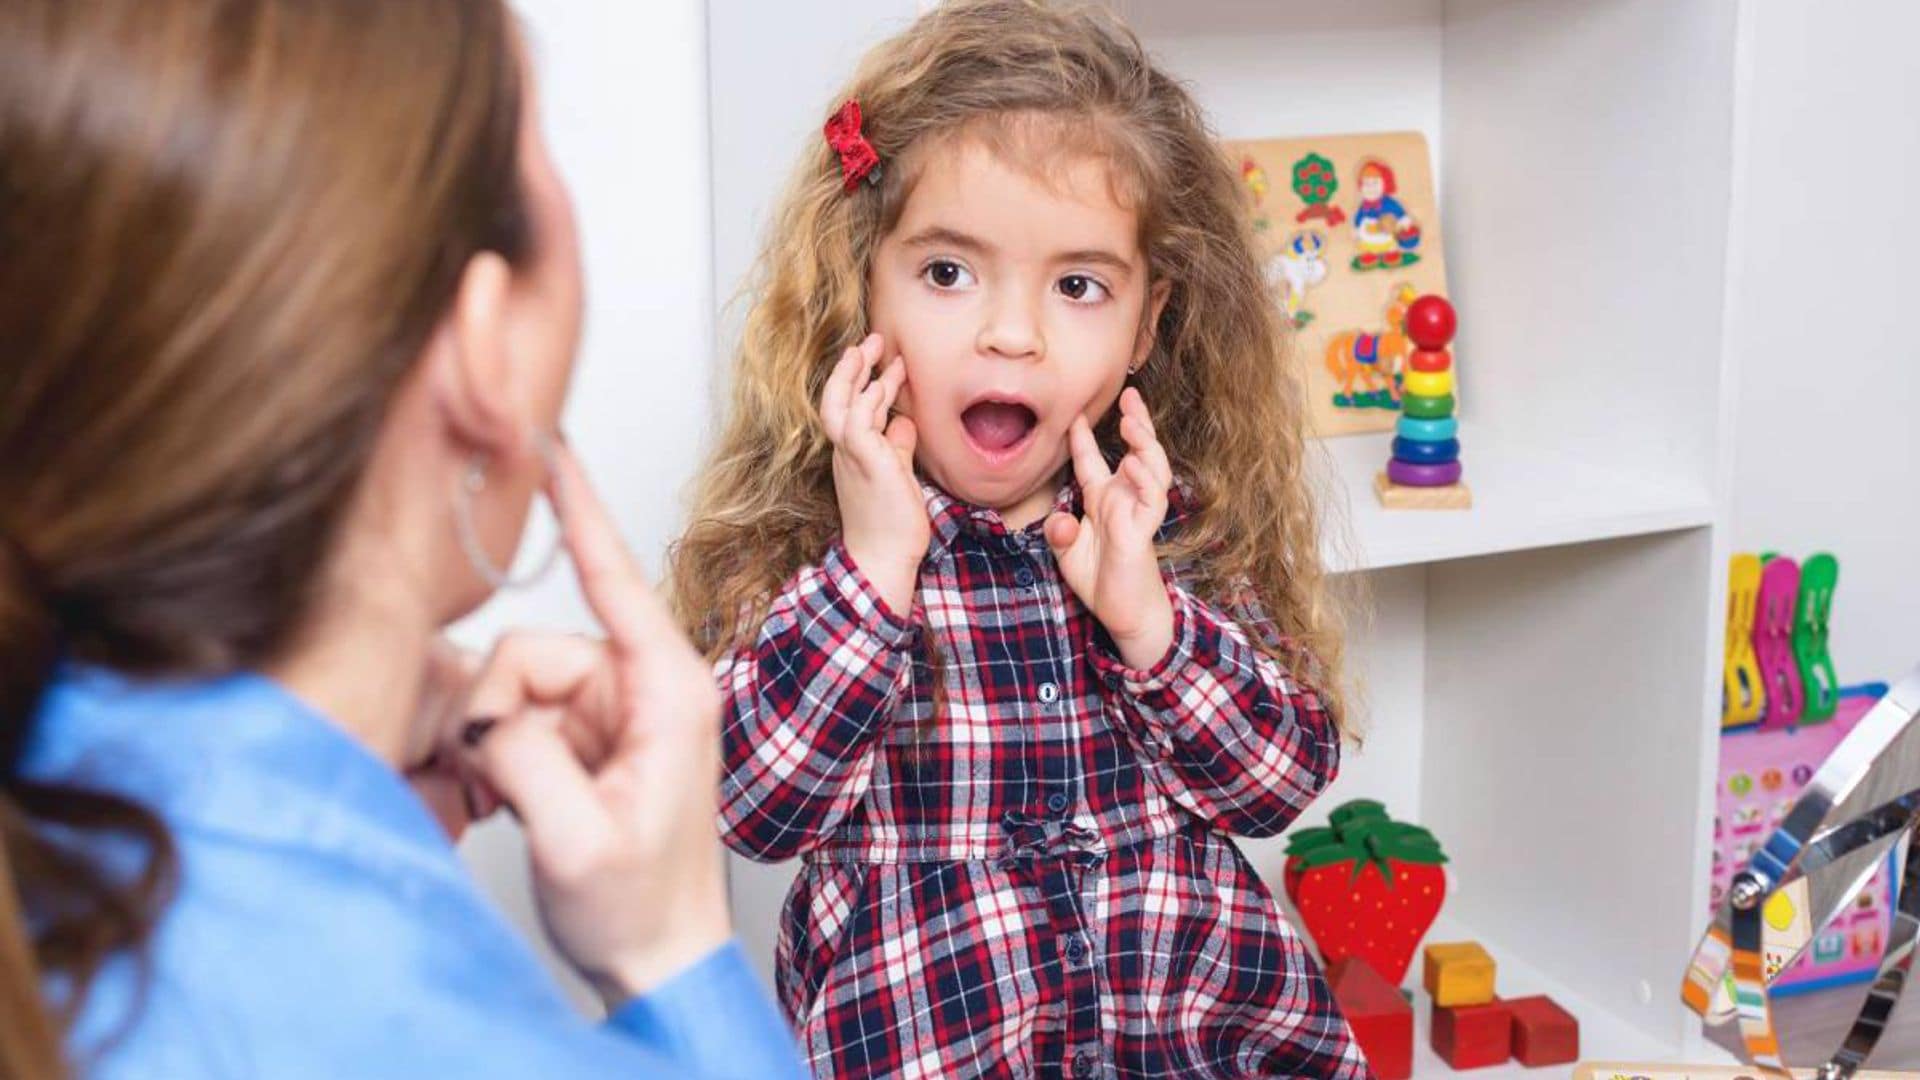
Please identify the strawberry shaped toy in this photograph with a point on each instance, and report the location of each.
(1368, 886)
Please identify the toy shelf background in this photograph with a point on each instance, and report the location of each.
(1540, 670)
(1563, 760)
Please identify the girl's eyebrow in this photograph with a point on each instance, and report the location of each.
(1098, 256)
(942, 236)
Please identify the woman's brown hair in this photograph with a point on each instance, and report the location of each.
(227, 230)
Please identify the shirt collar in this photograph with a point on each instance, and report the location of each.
(952, 517)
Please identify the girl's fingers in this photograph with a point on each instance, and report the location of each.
(893, 380)
(1134, 407)
(903, 436)
(1141, 476)
(866, 379)
(1088, 466)
(863, 368)
(1139, 436)
(837, 394)
(1061, 530)
(867, 430)
(869, 414)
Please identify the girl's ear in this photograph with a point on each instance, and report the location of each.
(1157, 294)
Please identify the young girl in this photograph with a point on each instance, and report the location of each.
(1008, 697)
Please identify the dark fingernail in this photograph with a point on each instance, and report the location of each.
(477, 729)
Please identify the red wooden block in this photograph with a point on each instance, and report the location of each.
(1381, 1019)
(1544, 1033)
(1473, 1036)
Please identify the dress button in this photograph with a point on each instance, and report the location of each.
(1082, 1064)
(1057, 802)
(1023, 577)
(1076, 952)
(1049, 693)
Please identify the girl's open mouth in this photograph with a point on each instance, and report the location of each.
(999, 430)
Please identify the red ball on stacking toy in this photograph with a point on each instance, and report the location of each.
(1430, 322)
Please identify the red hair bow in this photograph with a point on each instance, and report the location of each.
(857, 160)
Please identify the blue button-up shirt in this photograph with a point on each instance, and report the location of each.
(324, 925)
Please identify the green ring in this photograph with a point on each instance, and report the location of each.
(1421, 407)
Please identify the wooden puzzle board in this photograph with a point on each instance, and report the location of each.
(1339, 308)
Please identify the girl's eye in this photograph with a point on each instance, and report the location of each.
(947, 274)
(1082, 289)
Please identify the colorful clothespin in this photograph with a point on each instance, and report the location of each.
(1743, 692)
(1773, 643)
(1812, 616)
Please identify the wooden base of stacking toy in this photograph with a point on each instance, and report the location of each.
(1400, 497)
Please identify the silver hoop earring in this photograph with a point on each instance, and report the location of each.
(472, 483)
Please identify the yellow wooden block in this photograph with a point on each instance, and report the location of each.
(1430, 383)
(1458, 974)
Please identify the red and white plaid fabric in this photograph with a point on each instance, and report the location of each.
(1036, 881)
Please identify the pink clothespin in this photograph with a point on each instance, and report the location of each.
(1773, 643)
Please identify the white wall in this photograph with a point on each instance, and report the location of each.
(624, 89)
(1260, 77)
(1824, 327)
(773, 68)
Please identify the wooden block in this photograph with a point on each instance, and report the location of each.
(1543, 1033)
(1459, 973)
(1382, 1020)
(1473, 1036)
(1398, 497)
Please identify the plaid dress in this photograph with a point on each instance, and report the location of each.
(1030, 876)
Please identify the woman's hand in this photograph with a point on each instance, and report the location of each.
(883, 516)
(1107, 557)
(608, 752)
(436, 770)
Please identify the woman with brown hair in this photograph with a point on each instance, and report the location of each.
(289, 297)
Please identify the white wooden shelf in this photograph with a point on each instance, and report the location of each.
(1525, 496)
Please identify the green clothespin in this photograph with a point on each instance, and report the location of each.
(1811, 619)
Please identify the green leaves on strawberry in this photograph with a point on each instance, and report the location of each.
(1367, 886)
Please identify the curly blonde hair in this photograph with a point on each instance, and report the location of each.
(1227, 408)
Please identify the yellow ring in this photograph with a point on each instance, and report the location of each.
(1429, 383)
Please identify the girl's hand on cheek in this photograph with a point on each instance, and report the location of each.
(883, 516)
(1107, 556)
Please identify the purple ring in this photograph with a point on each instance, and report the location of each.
(1407, 474)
